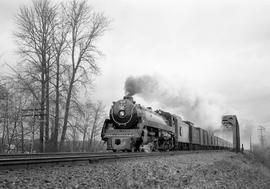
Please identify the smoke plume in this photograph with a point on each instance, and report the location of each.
(140, 85)
(205, 110)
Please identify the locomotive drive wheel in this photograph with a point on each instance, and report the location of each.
(147, 148)
(152, 148)
(155, 147)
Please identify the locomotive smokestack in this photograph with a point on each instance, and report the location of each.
(129, 98)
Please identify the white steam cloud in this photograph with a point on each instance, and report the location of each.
(204, 110)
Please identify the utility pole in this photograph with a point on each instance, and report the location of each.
(261, 129)
(250, 143)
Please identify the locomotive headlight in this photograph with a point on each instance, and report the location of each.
(122, 113)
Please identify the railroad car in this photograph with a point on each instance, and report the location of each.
(215, 142)
(181, 134)
(132, 127)
(210, 139)
(205, 139)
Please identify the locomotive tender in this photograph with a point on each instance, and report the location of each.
(132, 126)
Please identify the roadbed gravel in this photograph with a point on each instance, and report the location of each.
(199, 170)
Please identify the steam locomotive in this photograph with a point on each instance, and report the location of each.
(132, 127)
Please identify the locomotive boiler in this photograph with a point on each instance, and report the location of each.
(131, 127)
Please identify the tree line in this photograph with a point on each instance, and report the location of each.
(42, 99)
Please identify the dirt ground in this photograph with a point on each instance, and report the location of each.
(199, 170)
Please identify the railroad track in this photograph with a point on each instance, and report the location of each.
(29, 160)
(32, 155)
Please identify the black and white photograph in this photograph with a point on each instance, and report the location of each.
(135, 94)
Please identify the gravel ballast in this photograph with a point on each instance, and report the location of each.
(200, 170)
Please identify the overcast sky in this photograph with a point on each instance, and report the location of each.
(217, 47)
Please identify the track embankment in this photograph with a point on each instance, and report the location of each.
(13, 161)
(197, 170)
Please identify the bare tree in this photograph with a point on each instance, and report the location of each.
(59, 48)
(86, 122)
(14, 131)
(34, 37)
(57, 44)
(5, 115)
(98, 115)
(86, 27)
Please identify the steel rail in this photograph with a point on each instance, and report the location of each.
(21, 155)
(90, 158)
